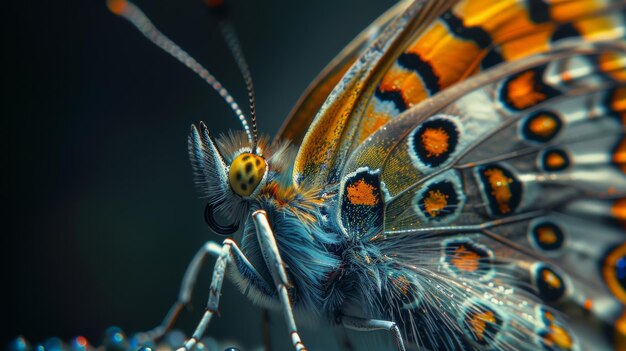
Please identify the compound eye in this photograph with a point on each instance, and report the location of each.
(245, 173)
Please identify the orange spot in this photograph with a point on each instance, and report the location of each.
(551, 279)
(465, 260)
(546, 235)
(619, 210)
(362, 193)
(618, 102)
(543, 125)
(478, 323)
(435, 141)
(435, 202)
(117, 6)
(522, 93)
(555, 160)
(560, 337)
(619, 155)
(500, 188)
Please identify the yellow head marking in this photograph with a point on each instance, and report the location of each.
(245, 173)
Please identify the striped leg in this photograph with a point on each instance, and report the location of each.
(275, 264)
(363, 324)
(228, 254)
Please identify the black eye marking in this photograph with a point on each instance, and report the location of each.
(244, 187)
(251, 180)
(258, 162)
(249, 166)
(239, 175)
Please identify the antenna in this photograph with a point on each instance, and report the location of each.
(218, 8)
(135, 16)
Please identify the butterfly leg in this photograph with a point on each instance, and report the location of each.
(186, 289)
(364, 324)
(228, 254)
(276, 267)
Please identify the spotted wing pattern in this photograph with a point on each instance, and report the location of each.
(498, 205)
(431, 47)
(482, 190)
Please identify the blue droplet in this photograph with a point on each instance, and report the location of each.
(115, 340)
(19, 344)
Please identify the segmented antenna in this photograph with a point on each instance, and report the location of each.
(218, 8)
(134, 15)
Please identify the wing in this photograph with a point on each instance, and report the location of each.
(424, 51)
(503, 191)
(301, 116)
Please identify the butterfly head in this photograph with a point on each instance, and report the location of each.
(246, 173)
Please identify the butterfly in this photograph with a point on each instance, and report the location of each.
(455, 177)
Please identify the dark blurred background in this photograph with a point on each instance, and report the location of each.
(101, 211)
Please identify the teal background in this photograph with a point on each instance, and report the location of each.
(102, 214)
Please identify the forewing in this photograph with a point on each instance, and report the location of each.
(432, 46)
(301, 116)
(327, 140)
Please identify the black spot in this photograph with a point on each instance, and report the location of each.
(445, 188)
(458, 28)
(393, 96)
(492, 58)
(361, 219)
(249, 166)
(529, 134)
(538, 11)
(244, 187)
(257, 162)
(415, 63)
(547, 236)
(562, 155)
(422, 153)
(480, 312)
(251, 180)
(245, 158)
(549, 284)
(238, 176)
(564, 31)
(502, 206)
